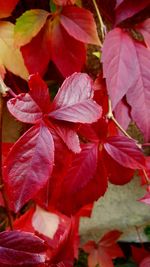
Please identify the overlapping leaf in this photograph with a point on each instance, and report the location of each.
(127, 9)
(80, 24)
(103, 252)
(29, 165)
(28, 25)
(119, 70)
(9, 51)
(79, 108)
(6, 7)
(125, 152)
(128, 75)
(21, 249)
(30, 162)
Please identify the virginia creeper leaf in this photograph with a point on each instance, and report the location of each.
(145, 262)
(139, 254)
(39, 92)
(144, 29)
(73, 101)
(28, 25)
(80, 24)
(105, 251)
(36, 54)
(29, 165)
(68, 54)
(24, 109)
(119, 70)
(139, 97)
(122, 114)
(21, 249)
(84, 182)
(69, 137)
(125, 152)
(117, 174)
(10, 56)
(64, 2)
(6, 7)
(118, 2)
(129, 8)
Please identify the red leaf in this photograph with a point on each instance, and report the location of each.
(129, 8)
(68, 54)
(24, 222)
(145, 199)
(36, 54)
(80, 24)
(117, 174)
(21, 249)
(73, 101)
(144, 29)
(103, 252)
(138, 254)
(145, 262)
(6, 7)
(118, 2)
(125, 152)
(119, 70)
(24, 109)
(66, 250)
(69, 137)
(28, 165)
(39, 92)
(138, 96)
(64, 2)
(122, 114)
(84, 182)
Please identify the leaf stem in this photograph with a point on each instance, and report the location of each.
(110, 116)
(102, 26)
(2, 189)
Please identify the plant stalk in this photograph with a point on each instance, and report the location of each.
(102, 26)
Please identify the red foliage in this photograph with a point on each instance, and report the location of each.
(76, 142)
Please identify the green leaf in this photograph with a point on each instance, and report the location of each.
(97, 54)
(52, 6)
(28, 25)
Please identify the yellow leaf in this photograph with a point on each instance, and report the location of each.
(10, 56)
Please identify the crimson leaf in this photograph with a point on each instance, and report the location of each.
(21, 249)
(28, 165)
(125, 152)
(73, 101)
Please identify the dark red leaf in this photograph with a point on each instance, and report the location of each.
(24, 109)
(68, 54)
(125, 152)
(138, 254)
(117, 174)
(80, 24)
(73, 101)
(119, 70)
(84, 182)
(129, 8)
(21, 249)
(39, 92)
(28, 165)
